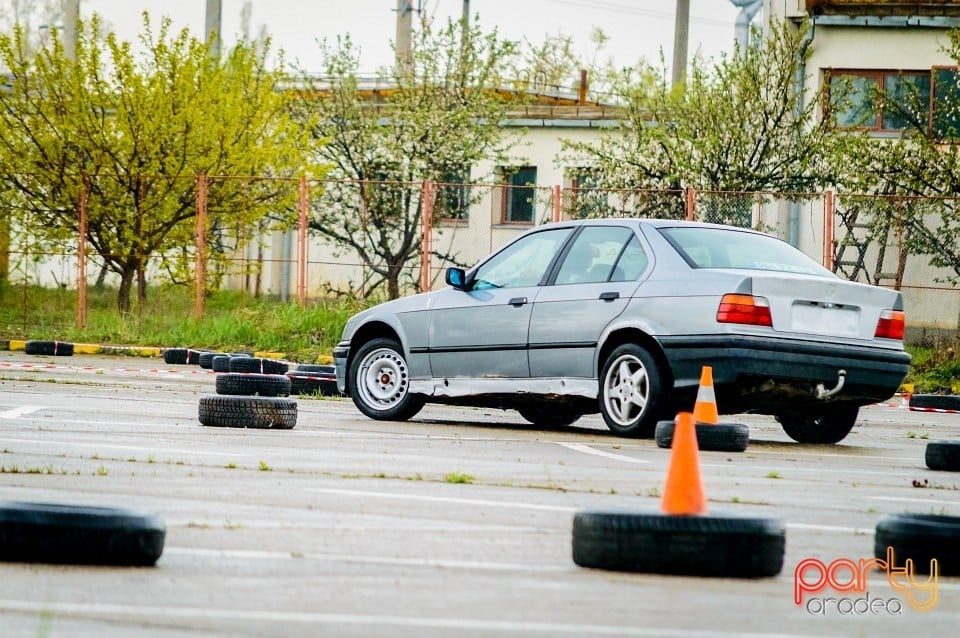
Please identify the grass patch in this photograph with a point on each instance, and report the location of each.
(458, 477)
(232, 321)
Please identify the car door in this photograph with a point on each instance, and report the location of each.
(593, 283)
(482, 331)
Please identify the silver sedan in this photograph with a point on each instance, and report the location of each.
(619, 316)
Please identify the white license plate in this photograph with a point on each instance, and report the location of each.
(830, 320)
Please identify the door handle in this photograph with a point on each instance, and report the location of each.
(610, 296)
(517, 301)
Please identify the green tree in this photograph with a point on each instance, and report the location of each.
(432, 116)
(917, 174)
(736, 124)
(138, 127)
(555, 63)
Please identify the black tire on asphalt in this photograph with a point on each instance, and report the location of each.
(546, 416)
(205, 360)
(935, 401)
(79, 535)
(943, 455)
(193, 356)
(622, 415)
(711, 437)
(708, 545)
(220, 410)
(49, 348)
(380, 381)
(313, 383)
(314, 367)
(259, 365)
(253, 384)
(829, 427)
(175, 356)
(220, 363)
(920, 537)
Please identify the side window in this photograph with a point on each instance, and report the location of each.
(632, 262)
(602, 253)
(522, 263)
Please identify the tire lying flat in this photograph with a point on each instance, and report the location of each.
(315, 383)
(262, 413)
(258, 365)
(715, 437)
(253, 384)
(934, 402)
(49, 348)
(920, 537)
(943, 455)
(708, 545)
(79, 535)
(175, 356)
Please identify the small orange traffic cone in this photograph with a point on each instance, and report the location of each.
(705, 409)
(683, 493)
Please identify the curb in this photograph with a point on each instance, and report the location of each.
(139, 351)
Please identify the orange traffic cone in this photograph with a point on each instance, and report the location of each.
(683, 493)
(705, 409)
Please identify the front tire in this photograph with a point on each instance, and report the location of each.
(380, 382)
(829, 427)
(631, 391)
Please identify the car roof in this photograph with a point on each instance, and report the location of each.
(654, 222)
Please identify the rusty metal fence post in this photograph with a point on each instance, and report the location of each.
(426, 243)
(557, 204)
(201, 239)
(690, 212)
(303, 246)
(82, 254)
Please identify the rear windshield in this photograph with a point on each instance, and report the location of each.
(727, 248)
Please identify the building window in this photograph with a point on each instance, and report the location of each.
(586, 197)
(891, 101)
(453, 198)
(945, 111)
(519, 194)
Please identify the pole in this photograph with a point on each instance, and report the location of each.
(82, 255)
(404, 32)
(302, 248)
(214, 13)
(71, 11)
(680, 37)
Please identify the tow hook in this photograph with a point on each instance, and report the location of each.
(824, 394)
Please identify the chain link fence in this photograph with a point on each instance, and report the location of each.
(301, 240)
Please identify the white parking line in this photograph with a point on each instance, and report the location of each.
(135, 448)
(136, 612)
(16, 413)
(586, 449)
(445, 499)
(375, 560)
(917, 501)
(856, 531)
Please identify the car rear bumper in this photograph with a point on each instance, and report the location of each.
(767, 374)
(340, 354)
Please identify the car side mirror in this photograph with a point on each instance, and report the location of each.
(457, 278)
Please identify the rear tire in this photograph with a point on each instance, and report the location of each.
(631, 390)
(829, 427)
(380, 382)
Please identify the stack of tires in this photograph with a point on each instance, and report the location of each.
(319, 380)
(253, 393)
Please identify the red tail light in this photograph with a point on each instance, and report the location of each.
(744, 309)
(890, 325)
